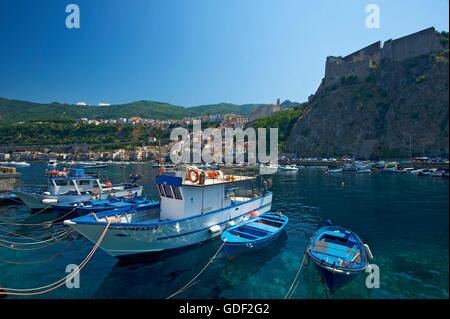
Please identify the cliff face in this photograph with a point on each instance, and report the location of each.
(380, 101)
(378, 116)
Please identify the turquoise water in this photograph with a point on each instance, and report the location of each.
(403, 218)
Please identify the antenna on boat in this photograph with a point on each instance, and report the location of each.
(161, 168)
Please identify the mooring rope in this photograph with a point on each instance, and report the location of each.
(295, 283)
(23, 237)
(64, 235)
(34, 262)
(193, 279)
(48, 222)
(60, 282)
(18, 235)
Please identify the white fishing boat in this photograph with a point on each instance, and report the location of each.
(73, 186)
(288, 168)
(15, 164)
(52, 163)
(195, 206)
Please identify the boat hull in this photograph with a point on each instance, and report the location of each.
(335, 280)
(37, 200)
(124, 239)
(234, 249)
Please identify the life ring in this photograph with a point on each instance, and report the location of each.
(193, 178)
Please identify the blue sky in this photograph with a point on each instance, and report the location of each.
(189, 52)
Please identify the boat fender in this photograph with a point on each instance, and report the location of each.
(192, 176)
(49, 201)
(307, 259)
(214, 229)
(47, 193)
(245, 218)
(231, 223)
(368, 251)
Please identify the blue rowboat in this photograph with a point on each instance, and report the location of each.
(254, 234)
(339, 254)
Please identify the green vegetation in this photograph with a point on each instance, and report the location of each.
(284, 120)
(13, 111)
(57, 133)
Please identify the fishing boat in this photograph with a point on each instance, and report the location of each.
(339, 255)
(94, 166)
(195, 206)
(15, 164)
(101, 205)
(6, 198)
(288, 168)
(52, 163)
(363, 171)
(438, 173)
(334, 171)
(254, 234)
(74, 186)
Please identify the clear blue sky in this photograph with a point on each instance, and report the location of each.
(189, 52)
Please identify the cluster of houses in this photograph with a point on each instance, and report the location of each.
(144, 153)
(223, 121)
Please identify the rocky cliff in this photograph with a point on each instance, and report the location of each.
(395, 106)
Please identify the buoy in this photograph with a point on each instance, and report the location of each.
(368, 251)
(214, 229)
(254, 213)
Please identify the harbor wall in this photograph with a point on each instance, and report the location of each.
(9, 179)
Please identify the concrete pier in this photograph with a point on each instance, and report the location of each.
(9, 178)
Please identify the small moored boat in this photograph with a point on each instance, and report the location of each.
(339, 254)
(256, 233)
(288, 168)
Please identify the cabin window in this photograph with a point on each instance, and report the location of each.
(161, 190)
(177, 192)
(168, 191)
(60, 182)
(84, 183)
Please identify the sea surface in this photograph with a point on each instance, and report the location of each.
(403, 218)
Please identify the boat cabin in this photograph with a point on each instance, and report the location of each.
(182, 197)
(74, 182)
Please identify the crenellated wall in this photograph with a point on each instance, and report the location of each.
(362, 61)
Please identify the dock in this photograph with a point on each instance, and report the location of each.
(9, 178)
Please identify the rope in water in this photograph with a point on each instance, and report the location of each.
(193, 279)
(38, 212)
(60, 282)
(21, 236)
(55, 241)
(48, 222)
(62, 234)
(295, 283)
(34, 262)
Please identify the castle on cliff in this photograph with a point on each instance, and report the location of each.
(362, 61)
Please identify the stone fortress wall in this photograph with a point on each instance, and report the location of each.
(362, 61)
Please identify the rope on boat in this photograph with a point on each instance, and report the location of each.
(52, 241)
(191, 282)
(60, 282)
(34, 262)
(295, 283)
(48, 222)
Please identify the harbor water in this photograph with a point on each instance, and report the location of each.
(403, 218)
